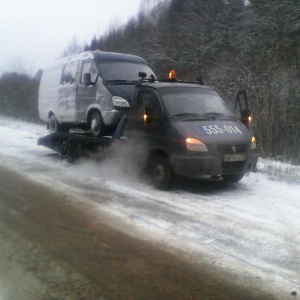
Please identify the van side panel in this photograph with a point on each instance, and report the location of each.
(50, 85)
(48, 91)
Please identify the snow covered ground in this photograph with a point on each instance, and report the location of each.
(251, 228)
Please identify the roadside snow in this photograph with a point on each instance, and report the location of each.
(250, 228)
(277, 170)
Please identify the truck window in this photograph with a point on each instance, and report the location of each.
(194, 100)
(89, 67)
(69, 73)
(148, 99)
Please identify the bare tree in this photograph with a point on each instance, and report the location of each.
(232, 45)
(73, 48)
(20, 65)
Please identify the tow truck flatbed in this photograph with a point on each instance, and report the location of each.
(73, 145)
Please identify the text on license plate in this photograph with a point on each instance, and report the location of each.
(234, 157)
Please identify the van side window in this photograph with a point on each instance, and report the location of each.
(69, 73)
(148, 99)
(89, 67)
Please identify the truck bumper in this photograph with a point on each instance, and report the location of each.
(197, 166)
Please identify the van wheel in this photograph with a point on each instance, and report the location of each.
(161, 172)
(53, 124)
(96, 123)
(233, 177)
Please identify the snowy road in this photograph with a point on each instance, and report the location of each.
(250, 229)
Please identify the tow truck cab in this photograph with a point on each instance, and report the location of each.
(189, 130)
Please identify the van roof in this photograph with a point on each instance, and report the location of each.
(98, 56)
(102, 55)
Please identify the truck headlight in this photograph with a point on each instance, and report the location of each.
(253, 143)
(195, 145)
(119, 101)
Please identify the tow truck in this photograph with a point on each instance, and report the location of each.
(187, 129)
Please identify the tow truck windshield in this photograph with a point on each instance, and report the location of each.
(193, 103)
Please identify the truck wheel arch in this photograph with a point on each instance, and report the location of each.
(161, 171)
(156, 152)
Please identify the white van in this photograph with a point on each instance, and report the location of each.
(90, 90)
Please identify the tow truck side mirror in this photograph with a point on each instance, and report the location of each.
(241, 107)
(142, 75)
(149, 114)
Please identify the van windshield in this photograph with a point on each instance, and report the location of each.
(123, 70)
(193, 103)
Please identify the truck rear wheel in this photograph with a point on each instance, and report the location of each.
(96, 123)
(161, 172)
(72, 152)
(233, 177)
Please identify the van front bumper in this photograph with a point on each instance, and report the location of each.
(111, 117)
(197, 166)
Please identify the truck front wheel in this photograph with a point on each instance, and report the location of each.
(161, 172)
(233, 177)
(53, 124)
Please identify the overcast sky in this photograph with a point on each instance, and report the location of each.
(35, 32)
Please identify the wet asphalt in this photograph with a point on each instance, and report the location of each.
(52, 247)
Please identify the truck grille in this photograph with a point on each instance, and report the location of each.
(232, 166)
(229, 149)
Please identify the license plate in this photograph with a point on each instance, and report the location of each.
(234, 157)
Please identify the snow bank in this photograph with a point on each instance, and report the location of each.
(250, 228)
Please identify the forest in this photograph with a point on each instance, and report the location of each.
(230, 44)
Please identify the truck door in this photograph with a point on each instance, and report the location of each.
(145, 130)
(67, 93)
(147, 112)
(86, 94)
(241, 107)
